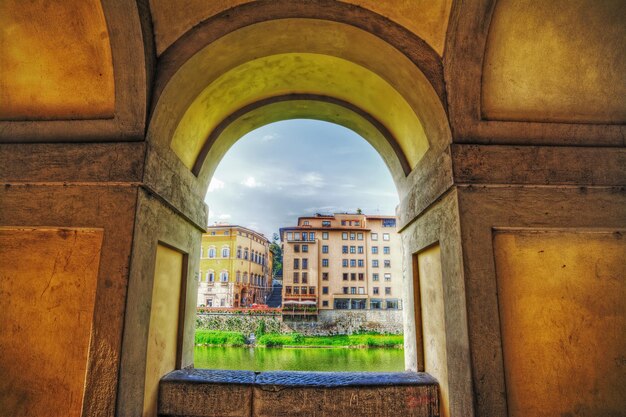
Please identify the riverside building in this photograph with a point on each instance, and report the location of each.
(341, 262)
(235, 267)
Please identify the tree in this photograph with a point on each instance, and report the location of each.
(359, 211)
(277, 256)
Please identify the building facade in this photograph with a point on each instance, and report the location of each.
(235, 267)
(341, 262)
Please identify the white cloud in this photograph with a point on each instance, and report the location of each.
(224, 216)
(269, 137)
(251, 182)
(313, 179)
(216, 184)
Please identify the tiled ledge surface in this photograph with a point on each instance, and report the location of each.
(204, 392)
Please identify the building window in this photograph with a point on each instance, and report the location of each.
(387, 290)
(361, 276)
(345, 276)
(387, 263)
(305, 278)
(303, 290)
(325, 263)
(352, 235)
(352, 290)
(361, 263)
(210, 276)
(353, 276)
(305, 263)
(296, 235)
(311, 236)
(344, 263)
(238, 252)
(375, 290)
(305, 248)
(360, 249)
(296, 277)
(324, 276)
(392, 304)
(359, 236)
(211, 252)
(352, 249)
(289, 236)
(304, 236)
(341, 303)
(212, 233)
(296, 290)
(288, 289)
(209, 302)
(238, 276)
(345, 290)
(387, 277)
(325, 223)
(324, 248)
(374, 263)
(311, 290)
(375, 250)
(343, 222)
(325, 303)
(389, 222)
(225, 252)
(296, 263)
(325, 235)
(374, 236)
(376, 304)
(224, 276)
(344, 236)
(353, 262)
(386, 250)
(296, 248)
(306, 222)
(324, 290)
(385, 236)
(374, 277)
(361, 290)
(344, 249)
(222, 303)
(245, 254)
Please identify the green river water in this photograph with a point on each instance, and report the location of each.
(300, 359)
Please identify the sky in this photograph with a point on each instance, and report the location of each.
(288, 169)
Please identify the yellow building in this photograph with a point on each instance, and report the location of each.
(235, 267)
(341, 262)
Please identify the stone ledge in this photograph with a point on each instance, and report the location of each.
(204, 392)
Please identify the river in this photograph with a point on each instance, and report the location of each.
(300, 359)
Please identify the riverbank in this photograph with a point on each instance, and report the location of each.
(223, 338)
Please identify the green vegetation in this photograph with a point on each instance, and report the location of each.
(356, 340)
(209, 337)
(277, 256)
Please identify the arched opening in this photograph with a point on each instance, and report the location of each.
(296, 68)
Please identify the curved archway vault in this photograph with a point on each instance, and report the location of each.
(298, 68)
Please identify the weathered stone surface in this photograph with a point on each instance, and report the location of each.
(206, 393)
(345, 394)
(199, 393)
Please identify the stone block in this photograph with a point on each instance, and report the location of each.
(203, 392)
(338, 394)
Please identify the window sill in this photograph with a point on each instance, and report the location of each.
(204, 392)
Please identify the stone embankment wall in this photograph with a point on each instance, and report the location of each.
(329, 322)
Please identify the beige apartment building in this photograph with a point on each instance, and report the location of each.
(235, 267)
(341, 262)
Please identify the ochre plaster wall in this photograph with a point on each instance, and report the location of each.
(433, 320)
(55, 61)
(558, 60)
(48, 285)
(561, 300)
(164, 319)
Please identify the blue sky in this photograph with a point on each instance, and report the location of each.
(284, 170)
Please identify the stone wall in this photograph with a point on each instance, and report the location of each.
(329, 322)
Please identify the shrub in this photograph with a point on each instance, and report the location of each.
(207, 337)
